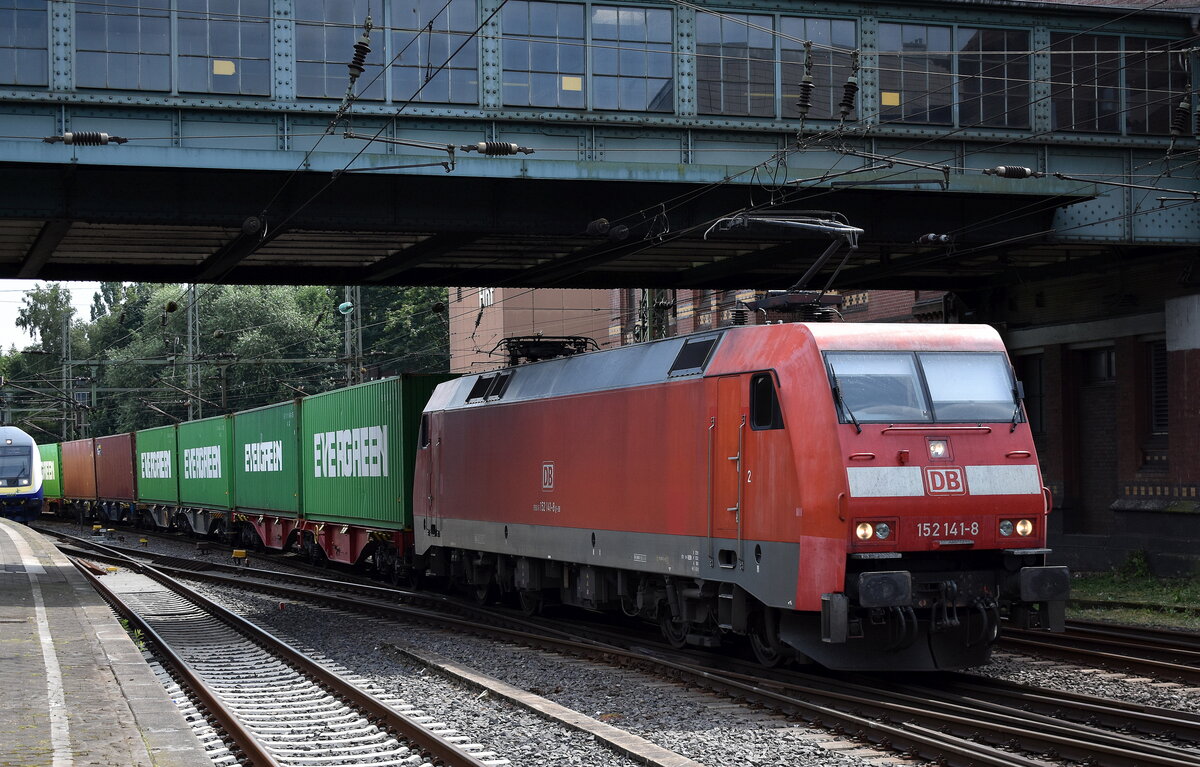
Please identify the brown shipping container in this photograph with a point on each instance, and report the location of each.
(79, 469)
(114, 467)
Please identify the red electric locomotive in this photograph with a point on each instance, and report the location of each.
(863, 496)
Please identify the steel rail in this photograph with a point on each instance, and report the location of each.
(194, 683)
(1076, 648)
(1116, 714)
(425, 740)
(1186, 643)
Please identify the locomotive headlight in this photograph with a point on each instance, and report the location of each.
(1006, 527)
(1024, 527)
(23, 482)
(882, 530)
(939, 448)
(864, 531)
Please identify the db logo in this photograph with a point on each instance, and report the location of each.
(548, 475)
(945, 480)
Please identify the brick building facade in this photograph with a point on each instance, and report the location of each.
(1111, 368)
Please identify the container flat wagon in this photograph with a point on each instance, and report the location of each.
(51, 458)
(116, 487)
(266, 471)
(205, 448)
(79, 476)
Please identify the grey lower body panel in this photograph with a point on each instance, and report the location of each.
(767, 570)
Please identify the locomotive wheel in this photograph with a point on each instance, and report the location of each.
(764, 641)
(531, 601)
(484, 593)
(675, 632)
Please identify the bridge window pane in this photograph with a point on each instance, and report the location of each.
(916, 83)
(632, 63)
(833, 40)
(425, 34)
(1085, 82)
(24, 43)
(735, 64)
(993, 71)
(1155, 82)
(123, 44)
(326, 31)
(542, 51)
(224, 46)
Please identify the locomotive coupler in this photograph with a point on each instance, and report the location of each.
(945, 612)
(988, 610)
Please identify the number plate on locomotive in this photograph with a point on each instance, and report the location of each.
(946, 529)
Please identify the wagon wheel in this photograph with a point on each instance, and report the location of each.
(764, 640)
(314, 552)
(484, 593)
(531, 601)
(675, 632)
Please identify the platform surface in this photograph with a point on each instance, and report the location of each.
(77, 691)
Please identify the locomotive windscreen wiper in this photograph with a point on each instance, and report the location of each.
(837, 393)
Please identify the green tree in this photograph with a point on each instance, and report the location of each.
(134, 344)
(44, 310)
(406, 329)
(110, 296)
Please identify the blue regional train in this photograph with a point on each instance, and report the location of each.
(20, 475)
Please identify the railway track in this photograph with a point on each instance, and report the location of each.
(1162, 653)
(278, 707)
(954, 721)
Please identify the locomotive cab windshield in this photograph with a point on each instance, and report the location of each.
(922, 387)
(16, 465)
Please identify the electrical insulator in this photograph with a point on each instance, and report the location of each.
(804, 103)
(496, 148)
(1010, 171)
(849, 91)
(934, 239)
(1179, 119)
(1196, 124)
(599, 227)
(85, 138)
(361, 50)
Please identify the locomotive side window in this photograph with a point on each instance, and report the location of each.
(878, 387)
(971, 387)
(764, 403)
(423, 438)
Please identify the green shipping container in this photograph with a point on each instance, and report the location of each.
(358, 446)
(206, 463)
(51, 470)
(266, 453)
(157, 465)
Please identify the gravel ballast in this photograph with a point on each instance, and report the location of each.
(704, 727)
